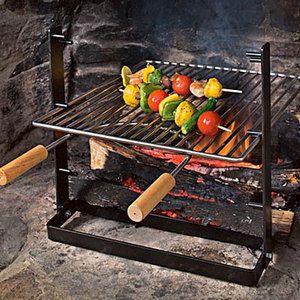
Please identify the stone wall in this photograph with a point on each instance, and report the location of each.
(107, 34)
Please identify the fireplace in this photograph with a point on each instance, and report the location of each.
(220, 194)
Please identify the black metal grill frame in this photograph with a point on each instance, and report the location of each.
(66, 207)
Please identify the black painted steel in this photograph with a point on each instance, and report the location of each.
(58, 94)
(266, 148)
(249, 277)
(174, 225)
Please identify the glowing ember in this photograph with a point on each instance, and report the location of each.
(169, 213)
(200, 180)
(280, 161)
(214, 223)
(196, 164)
(175, 214)
(183, 193)
(131, 184)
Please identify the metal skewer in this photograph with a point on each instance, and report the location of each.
(147, 201)
(223, 90)
(232, 91)
(225, 128)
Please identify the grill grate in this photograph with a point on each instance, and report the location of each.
(102, 113)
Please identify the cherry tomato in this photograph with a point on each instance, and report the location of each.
(208, 123)
(155, 98)
(181, 85)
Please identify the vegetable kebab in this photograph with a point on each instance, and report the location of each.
(144, 88)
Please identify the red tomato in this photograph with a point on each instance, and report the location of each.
(208, 123)
(155, 98)
(181, 85)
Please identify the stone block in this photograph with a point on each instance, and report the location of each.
(285, 14)
(130, 53)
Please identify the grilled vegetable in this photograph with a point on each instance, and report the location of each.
(181, 85)
(208, 123)
(147, 72)
(146, 90)
(125, 72)
(184, 112)
(213, 88)
(169, 110)
(155, 77)
(131, 95)
(155, 98)
(173, 97)
(191, 124)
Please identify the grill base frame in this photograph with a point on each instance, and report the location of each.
(171, 260)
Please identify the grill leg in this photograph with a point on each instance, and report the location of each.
(57, 42)
(266, 148)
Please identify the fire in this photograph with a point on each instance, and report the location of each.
(222, 140)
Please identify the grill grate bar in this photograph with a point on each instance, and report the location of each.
(177, 133)
(102, 113)
(123, 116)
(243, 123)
(95, 109)
(257, 109)
(231, 110)
(83, 105)
(157, 128)
(190, 135)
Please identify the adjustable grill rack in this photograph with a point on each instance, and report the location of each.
(101, 113)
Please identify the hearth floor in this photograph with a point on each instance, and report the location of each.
(38, 268)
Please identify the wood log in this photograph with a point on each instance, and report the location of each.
(285, 182)
(126, 173)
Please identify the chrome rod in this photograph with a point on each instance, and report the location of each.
(58, 142)
(181, 165)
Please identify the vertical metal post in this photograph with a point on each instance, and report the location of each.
(266, 148)
(58, 93)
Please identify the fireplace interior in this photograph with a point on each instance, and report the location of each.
(238, 190)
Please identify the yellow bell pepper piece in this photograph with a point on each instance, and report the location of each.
(146, 73)
(173, 97)
(129, 95)
(183, 113)
(213, 88)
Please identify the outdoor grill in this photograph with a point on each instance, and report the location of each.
(101, 113)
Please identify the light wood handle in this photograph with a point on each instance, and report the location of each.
(146, 202)
(23, 163)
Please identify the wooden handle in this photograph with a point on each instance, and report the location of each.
(23, 163)
(146, 202)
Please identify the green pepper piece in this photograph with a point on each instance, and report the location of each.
(191, 124)
(155, 77)
(169, 110)
(145, 90)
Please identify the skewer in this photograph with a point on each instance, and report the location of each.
(232, 91)
(147, 201)
(223, 90)
(225, 128)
